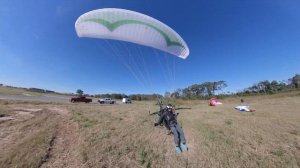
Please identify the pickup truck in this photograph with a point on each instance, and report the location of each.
(80, 99)
(106, 101)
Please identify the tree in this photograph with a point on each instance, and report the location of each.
(199, 91)
(209, 88)
(79, 92)
(270, 87)
(219, 85)
(186, 93)
(139, 97)
(296, 81)
(167, 94)
(177, 93)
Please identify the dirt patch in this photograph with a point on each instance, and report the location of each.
(64, 149)
(23, 114)
(6, 118)
(33, 110)
(3, 115)
(43, 128)
(27, 109)
(61, 111)
(23, 142)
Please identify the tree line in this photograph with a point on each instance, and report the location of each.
(198, 91)
(271, 87)
(138, 97)
(207, 90)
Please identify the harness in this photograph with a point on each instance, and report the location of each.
(170, 118)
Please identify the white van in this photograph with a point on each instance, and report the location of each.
(126, 100)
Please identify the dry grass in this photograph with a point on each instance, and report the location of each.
(266, 138)
(27, 145)
(26, 139)
(16, 91)
(20, 91)
(124, 135)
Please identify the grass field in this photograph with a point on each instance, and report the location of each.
(34, 134)
(24, 92)
(17, 91)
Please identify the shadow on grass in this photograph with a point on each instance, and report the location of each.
(183, 108)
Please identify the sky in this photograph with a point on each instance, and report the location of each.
(240, 42)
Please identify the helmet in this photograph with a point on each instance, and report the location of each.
(169, 106)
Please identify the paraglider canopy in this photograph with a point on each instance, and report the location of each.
(244, 109)
(130, 26)
(214, 102)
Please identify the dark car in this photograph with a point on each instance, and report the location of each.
(80, 99)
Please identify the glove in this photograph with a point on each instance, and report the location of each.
(155, 124)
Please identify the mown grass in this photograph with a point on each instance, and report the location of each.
(17, 91)
(20, 91)
(117, 137)
(25, 143)
(124, 135)
(4, 110)
(30, 152)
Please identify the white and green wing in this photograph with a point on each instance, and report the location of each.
(130, 26)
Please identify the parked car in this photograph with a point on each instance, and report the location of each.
(106, 101)
(126, 100)
(80, 99)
